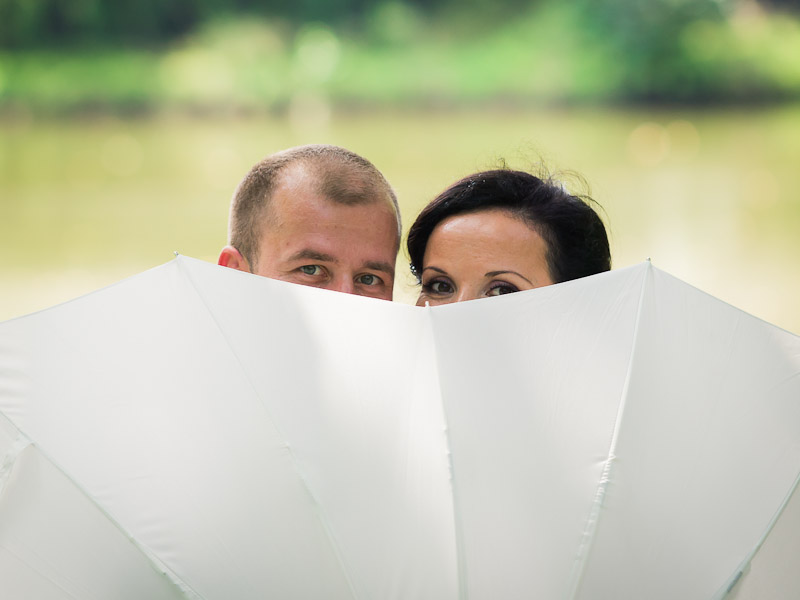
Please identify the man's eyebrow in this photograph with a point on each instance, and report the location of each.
(309, 254)
(496, 273)
(384, 267)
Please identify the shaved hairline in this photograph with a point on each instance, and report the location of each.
(339, 175)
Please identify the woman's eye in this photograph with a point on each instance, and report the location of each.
(368, 279)
(501, 289)
(311, 269)
(440, 287)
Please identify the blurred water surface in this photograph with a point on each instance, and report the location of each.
(709, 195)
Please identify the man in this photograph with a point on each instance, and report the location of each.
(316, 215)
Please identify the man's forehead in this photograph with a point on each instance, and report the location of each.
(308, 214)
(293, 205)
(304, 185)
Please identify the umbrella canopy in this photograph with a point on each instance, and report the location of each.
(197, 432)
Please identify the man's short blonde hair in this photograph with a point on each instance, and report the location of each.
(341, 176)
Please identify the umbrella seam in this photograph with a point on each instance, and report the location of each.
(10, 459)
(23, 441)
(590, 530)
(180, 260)
(155, 563)
(731, 582)
(39, 572)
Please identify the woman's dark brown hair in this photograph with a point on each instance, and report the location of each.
(577, 244)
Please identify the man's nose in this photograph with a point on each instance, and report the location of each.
(343, 284)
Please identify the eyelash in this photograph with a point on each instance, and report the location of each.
(503, 284)
(428, 287)
(301, 269)
(377, 278)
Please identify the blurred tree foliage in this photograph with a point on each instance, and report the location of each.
(649, 38)
(47, 23)
(58, 55)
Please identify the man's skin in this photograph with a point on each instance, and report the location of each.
(308, 239)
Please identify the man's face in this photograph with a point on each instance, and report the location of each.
(310, 240)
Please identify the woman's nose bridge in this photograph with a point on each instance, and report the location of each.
(465, 293)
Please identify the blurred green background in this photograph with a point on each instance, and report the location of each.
(127, 125)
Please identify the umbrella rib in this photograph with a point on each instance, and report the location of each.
(180, 260)
(728, 586)
(23, 442)
(590, 530)
(461, 566)
(6, 467)
(43, 576)
(10, 458)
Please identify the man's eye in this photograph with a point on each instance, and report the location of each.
(311, 269)
(368, 279)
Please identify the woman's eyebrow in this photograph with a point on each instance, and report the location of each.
(437, 269)
(496, 273)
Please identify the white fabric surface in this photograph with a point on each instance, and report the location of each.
(197, 432)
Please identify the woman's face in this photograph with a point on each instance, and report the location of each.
(482, 254)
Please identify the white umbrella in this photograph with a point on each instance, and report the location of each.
(197, 432)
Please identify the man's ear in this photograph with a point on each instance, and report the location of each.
(231, 257)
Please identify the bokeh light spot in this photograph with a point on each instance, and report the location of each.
(684, 139)
(648, 144)
(197, 74)
(317, 54)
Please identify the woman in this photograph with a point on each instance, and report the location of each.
(503, 231)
